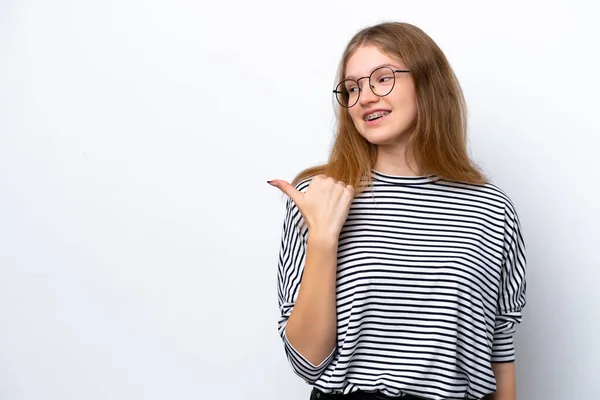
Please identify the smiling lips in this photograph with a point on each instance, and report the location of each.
(374, 115)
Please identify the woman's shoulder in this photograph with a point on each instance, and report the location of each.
(303, 184)
(486, 192)
(501, 194)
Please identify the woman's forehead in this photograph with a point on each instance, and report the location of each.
(367, 58)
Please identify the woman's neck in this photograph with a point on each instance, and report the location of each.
(394, 161)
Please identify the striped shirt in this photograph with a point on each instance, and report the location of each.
(430, 287)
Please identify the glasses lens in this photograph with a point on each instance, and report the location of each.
(382, 81)
(346, 92)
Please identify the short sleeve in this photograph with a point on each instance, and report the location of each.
(512, 291)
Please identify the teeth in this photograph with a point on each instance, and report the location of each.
(376, 115)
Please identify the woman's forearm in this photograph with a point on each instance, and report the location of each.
(506, 388)
(312, 326)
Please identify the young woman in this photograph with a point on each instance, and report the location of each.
(402, 268)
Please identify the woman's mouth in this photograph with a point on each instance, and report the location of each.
(376, 117)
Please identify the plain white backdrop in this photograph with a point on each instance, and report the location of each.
(138, 235)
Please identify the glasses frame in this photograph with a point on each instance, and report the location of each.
(335, 91)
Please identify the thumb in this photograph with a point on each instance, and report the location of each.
(286, 188)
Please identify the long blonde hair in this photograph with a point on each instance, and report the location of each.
(439, 137)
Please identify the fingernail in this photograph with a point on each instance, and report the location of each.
(272, 183)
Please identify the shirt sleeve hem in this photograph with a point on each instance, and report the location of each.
(304, 359)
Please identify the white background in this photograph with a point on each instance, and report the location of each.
(138, 235)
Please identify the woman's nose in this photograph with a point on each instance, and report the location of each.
(367, 95)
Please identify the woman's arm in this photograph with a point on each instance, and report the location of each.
(312, 326)
(506, 388)
(306, 286)
(511, 300)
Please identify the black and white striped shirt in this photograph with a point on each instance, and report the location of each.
(430, 287)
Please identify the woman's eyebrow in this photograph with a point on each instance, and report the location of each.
(379, 66)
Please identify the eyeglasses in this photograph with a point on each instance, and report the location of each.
(381, 83)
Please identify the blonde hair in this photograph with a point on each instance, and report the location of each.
(439, 136)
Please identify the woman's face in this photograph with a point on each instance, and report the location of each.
(394, 127)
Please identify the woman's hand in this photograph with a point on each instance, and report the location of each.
(324, 206)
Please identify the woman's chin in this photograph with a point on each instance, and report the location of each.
(381, 138)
